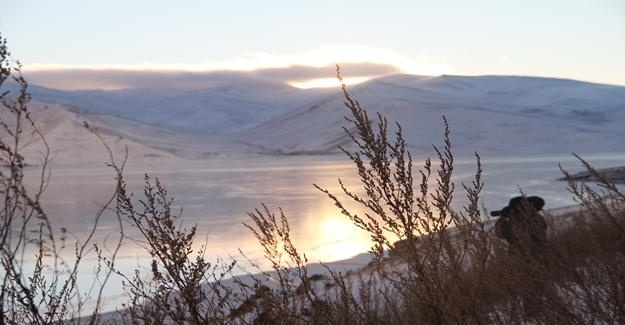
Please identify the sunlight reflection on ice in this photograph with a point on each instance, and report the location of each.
(216, 196)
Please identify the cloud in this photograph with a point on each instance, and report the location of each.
(75, 79)
(72, 79)
(294, 73)
(357, 62)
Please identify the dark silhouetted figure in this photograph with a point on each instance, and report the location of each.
(522, 226)
(525, 230)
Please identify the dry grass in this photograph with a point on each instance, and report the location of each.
(432, 265)
(38, 285)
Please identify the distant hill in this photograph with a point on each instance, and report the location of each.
(498, 115)
(222, 108)
(489, 114)
(71, 143)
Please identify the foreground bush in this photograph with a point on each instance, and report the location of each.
(432, 264)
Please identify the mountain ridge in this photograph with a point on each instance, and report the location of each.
(489, 114)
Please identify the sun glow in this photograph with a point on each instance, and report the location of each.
(327, 82)
(339, 239)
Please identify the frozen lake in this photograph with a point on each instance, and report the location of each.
(217, 194)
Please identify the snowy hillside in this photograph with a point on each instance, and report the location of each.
(490, 114)
(221, 108)
(71, 143)
(498, 115)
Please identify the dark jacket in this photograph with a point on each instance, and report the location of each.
(521, 224)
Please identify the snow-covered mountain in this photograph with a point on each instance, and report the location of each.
(71, 143)
(222, 108)
(488, 114)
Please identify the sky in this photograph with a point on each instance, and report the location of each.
(300, 41)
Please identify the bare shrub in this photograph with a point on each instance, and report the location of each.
(413, 221)
(592, 250)
(292, 293)
(182, 286)
(39, 285)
